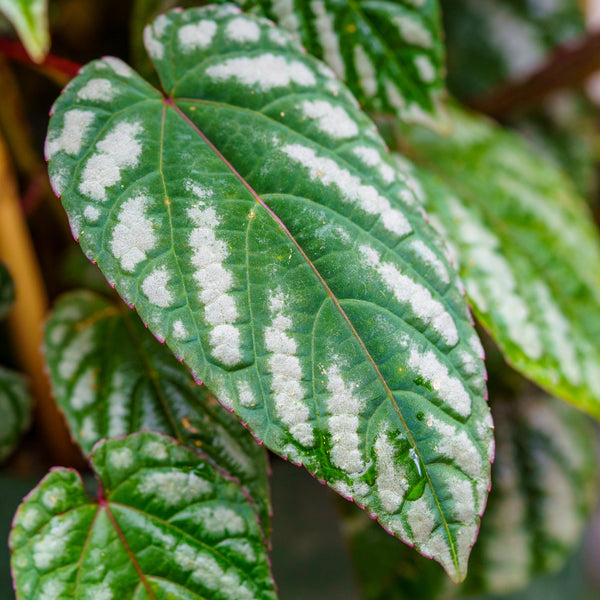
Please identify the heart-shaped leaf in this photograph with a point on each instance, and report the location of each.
(390, 53)
(253, 218)
(110, 378)
(528, 252)
(166, 525)
(7, 291)
(545, 489)
(15, 408)
(30, 19)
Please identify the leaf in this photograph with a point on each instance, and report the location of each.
(256, 223)
(490, 41)
(30, 19)
(389, 53)
(545, 489)
(111, 378)
(166, 525)
(142, 13)
(7, 291)
(15, 408)
(527, 248)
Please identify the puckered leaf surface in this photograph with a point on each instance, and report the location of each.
(390, 53)
(253, 218)
(30, 19)
(545, 489)
(528, 252)
(167, 525)
(7, 291)
(15, 408)
(112, 378)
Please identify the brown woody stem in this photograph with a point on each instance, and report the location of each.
(570, 66)
(26, 319)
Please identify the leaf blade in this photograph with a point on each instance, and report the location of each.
(30, 19)
(154, 516)
(530, 260)
(111, 378)
(256, 152)
(390, 54)
(16, 408)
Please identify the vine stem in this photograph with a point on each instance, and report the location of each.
(59, 69)
(569, 66)
(26, 320)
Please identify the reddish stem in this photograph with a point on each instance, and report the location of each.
(15, 51)
(569, 66)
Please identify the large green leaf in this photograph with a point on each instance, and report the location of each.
(527, 248)
(253, 218)
(166, 525)
(7, 291)
(30, 18)
(112, 378)
(15, 409)
(390, 53)
(545, 489)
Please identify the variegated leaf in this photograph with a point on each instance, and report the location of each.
(30, 19)
(7, 291)
(528, 251)
(110, 378)
(544, 490)
(390, 53)
(15, 410)
(253, 218)
(166, 525)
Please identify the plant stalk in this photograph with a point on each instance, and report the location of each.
(570, 66)
(26, 320)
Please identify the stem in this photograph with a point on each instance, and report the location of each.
(568, 67)
(60, 70)
(26, 320)
(19, 140)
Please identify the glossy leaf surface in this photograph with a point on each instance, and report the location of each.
(167, 525)
(390, 53)
(111, 378)
(15, 408)
(7, 291)
(30, 19)
(256, 223)
(545, 489)
(528, 252)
